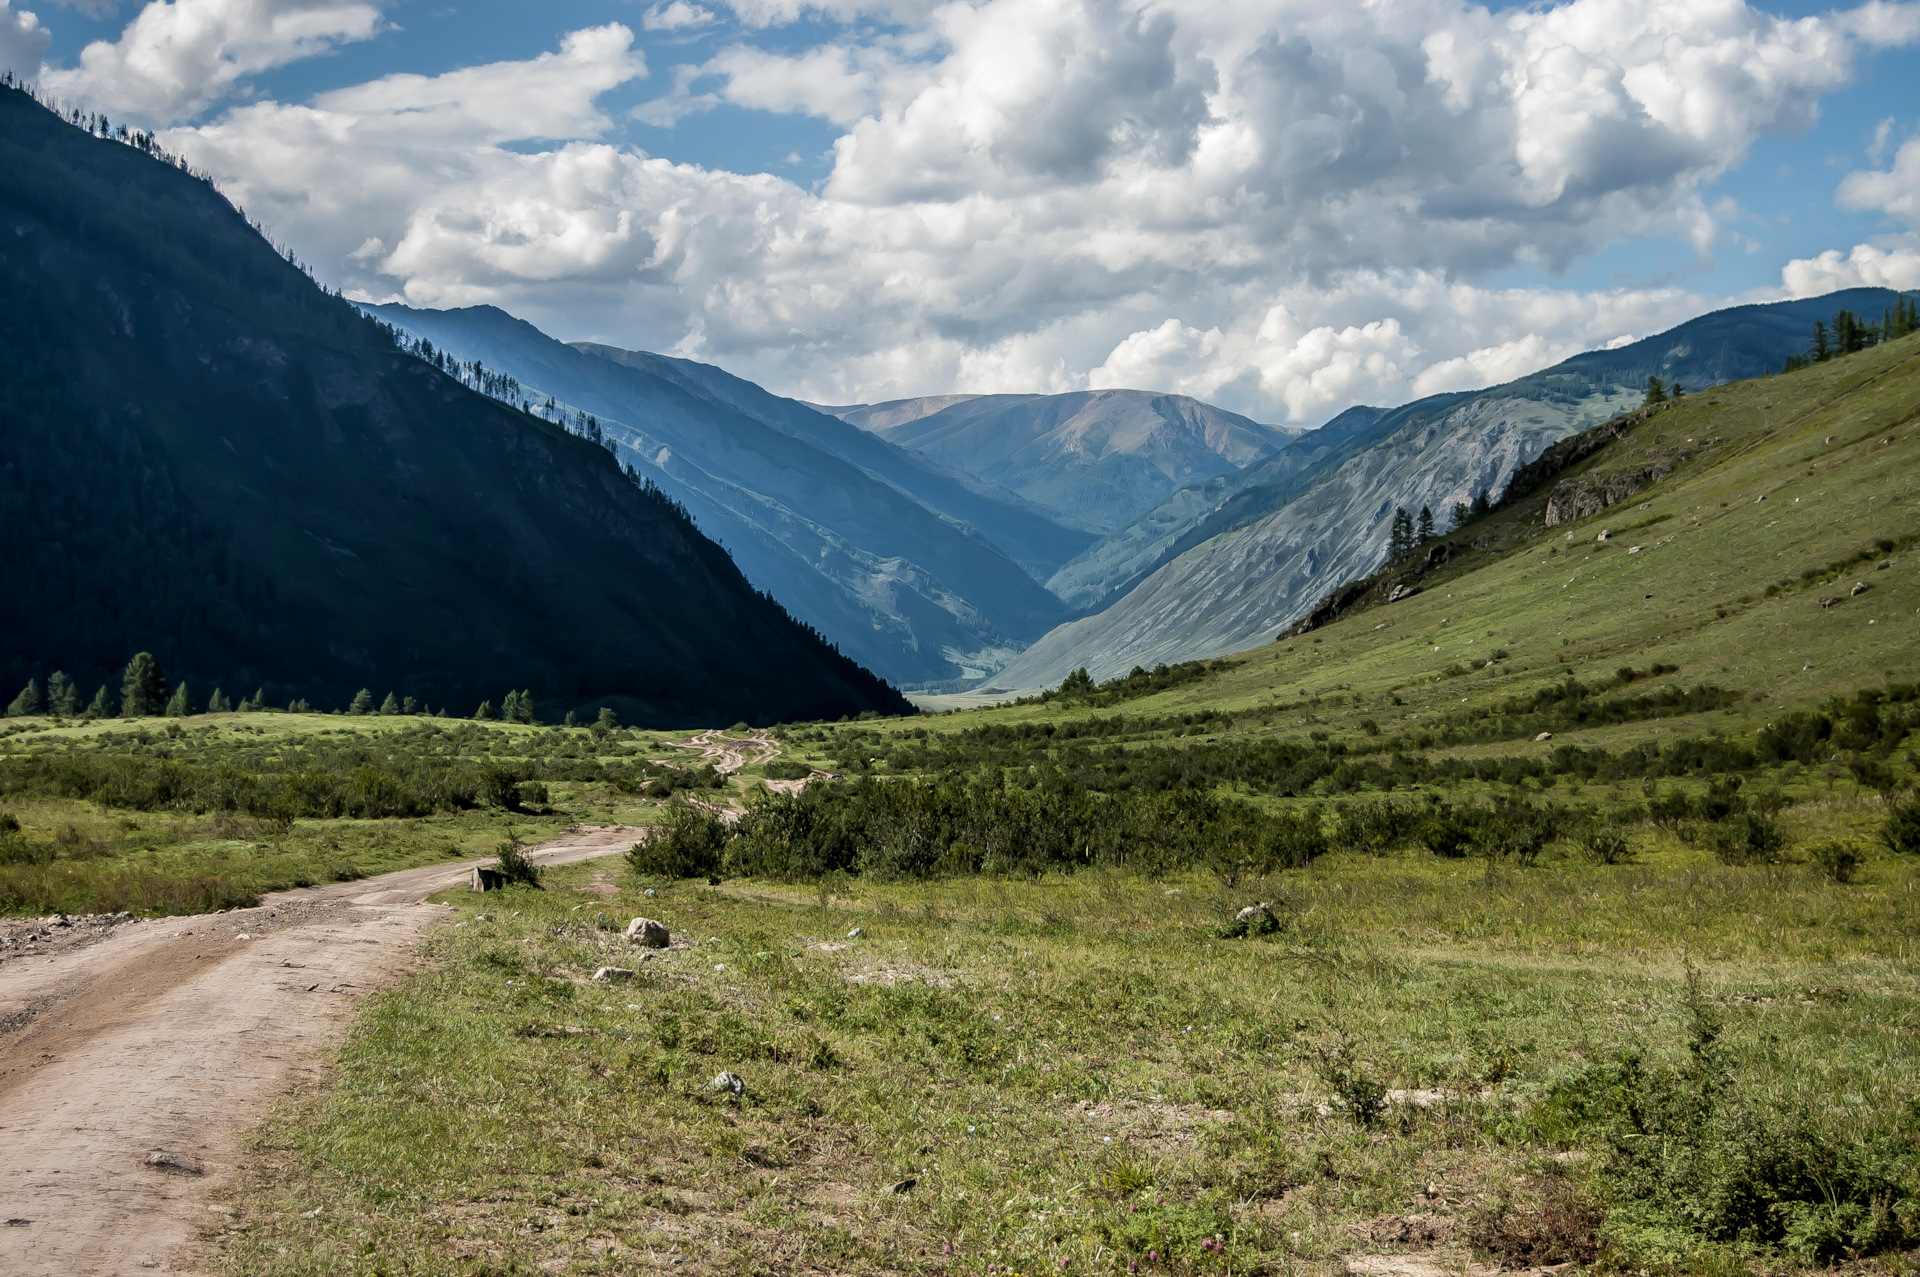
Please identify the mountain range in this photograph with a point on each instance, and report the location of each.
(206, 455)
(1227, 565)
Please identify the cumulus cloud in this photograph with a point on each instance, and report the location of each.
(675, 17)
(1894, 191)
(1864, 267)
(23, 41)
(1281, 204)
(178, 57)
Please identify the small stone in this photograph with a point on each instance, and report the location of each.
(649, 893)
(647, 933)
(728, 1082)
(856, 933)
(613, 975)
(1859, 588)
(1604, 536)
(175, 1162)
(1829, 602)
(1544, 736)
(1635, 549)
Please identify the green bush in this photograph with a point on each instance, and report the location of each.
(1837, 858)
(514, 865)
(689, 842)
(1747, 839)
(1901, 833)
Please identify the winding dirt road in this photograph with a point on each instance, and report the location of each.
(729, 754)
(131, 1068)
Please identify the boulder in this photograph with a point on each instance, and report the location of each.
(648, 933)
(487, 879)
(1544, 736)
(1829, 602)
(728, 1082)
(1399, 592)
(1859, 588)
(613, 975)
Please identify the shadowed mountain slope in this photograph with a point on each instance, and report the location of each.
(1266, 554)
(918, 597)
(204, 454)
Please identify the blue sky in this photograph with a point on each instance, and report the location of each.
(1279, 206)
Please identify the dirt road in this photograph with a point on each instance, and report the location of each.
(729, 754)
(131, 1067)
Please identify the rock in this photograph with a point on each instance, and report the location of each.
(486, 879)
(856, 933)
(1253, 911)
(1604, 536)
(728, 1082)
(648, 934)
(1544, 736)
(1829, 602)
(649, 893)
(1438, 554)
(1859, 588)
(176, 1163)
(1635, 549)
(904, 1186)
(613, 975)
(1254, 920)
(1399, 592)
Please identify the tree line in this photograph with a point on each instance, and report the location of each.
(1851, 333)
(145, 693)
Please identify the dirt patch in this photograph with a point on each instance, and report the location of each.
(132, 1050)
(1150, 1123)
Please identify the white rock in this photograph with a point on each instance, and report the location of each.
(610, 975)
(728, 1082)
(648, 933)
(856, 933)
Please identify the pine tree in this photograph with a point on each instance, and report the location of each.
(63, 698)
(259, 701)
(1462, 515)
(510, 707)
(180, 704)
(571, 720)
(1425, 529)
(1400, 538)
(521, 706)
(100, 706)
(1679, 391)
(1656, 393)
(485, 713)
(143, 688)
(298, 705)
(409, 706)
(391, 705)
(28, 702)
(608, 720)
(218, 703)
(1822, 344)
(362, 702)
(1482, 505)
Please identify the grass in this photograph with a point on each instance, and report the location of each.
(1074, 1072)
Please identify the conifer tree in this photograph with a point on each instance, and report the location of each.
(63, 698)
(1424, 531)
(180, 704)
(1656, 392)
(218, 703)
(518, 707)
(100, 706)
(1482, 505)
(1822, 344)
(571, 720)
(485, 713)
(1462, 515)
(362, 702)
(1679, 391)
(28, 702)
(1400, 538)
(258, 703)
(143, 688)
(608, 720)
(410, 706)
(391, 705)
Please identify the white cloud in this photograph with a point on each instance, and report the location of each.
(23, 42)
(1281, 204)
(178, 57)
(1894, 191)
(1864, 267)
(675, 17)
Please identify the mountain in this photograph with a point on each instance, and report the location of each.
(1096, 459)
(803, 501)
(1279, 542)
(205, 455)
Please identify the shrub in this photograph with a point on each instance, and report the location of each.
(787, 769)
(1604, 846)
(514, 865)
(1901, 833)
(1837, 858)
(1747, 839)
(688, 843)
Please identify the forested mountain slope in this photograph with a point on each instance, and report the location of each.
(832, 531)
(1260, 559)
(204, 454)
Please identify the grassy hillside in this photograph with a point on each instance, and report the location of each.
(204, 455)
(1256, 561)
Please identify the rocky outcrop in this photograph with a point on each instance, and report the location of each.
(1577, 498)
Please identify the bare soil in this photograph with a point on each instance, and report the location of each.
(135, 1054)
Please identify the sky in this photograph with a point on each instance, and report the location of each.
(1285, 207)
